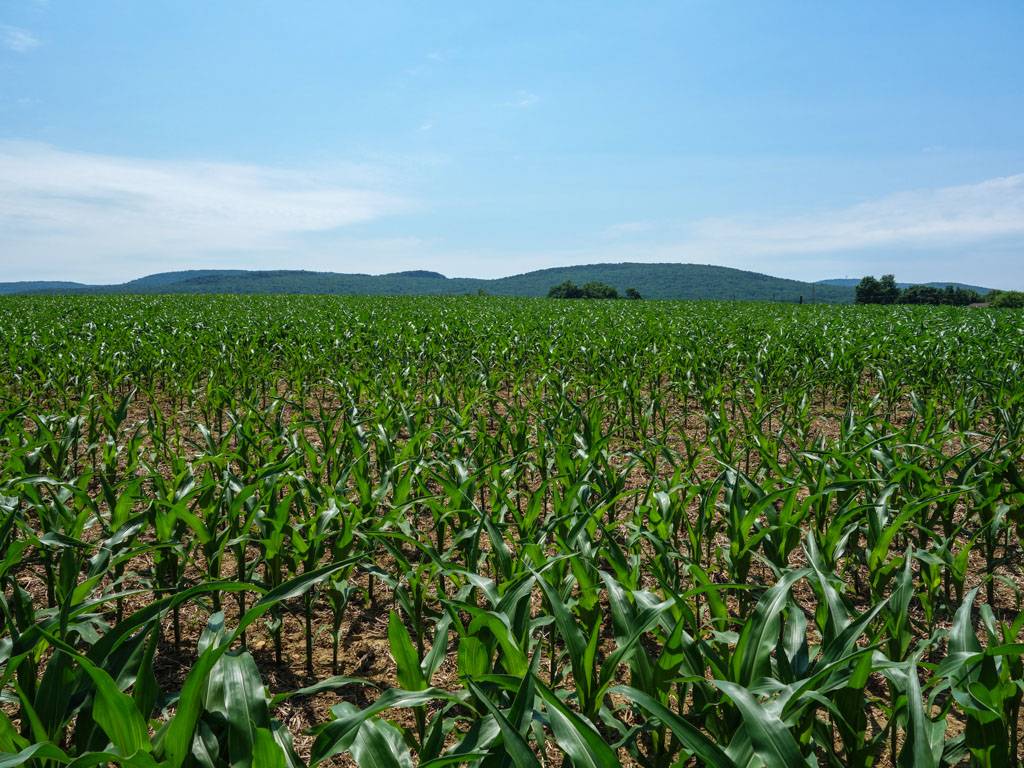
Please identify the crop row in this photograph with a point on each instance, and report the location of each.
(645, 533)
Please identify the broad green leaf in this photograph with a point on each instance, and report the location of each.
(410, 676)
(771, 739)
(576, 737)
(696, 742)
(514, 743)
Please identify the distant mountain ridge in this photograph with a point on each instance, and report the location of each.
(654, 281)
(40, 286)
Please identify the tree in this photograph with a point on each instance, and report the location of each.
(868, 290)
(888, 291)
(960, 297)
(921, 294)
(1007, 299)
(633, 293)
(592, 290)
(949, 296)
(872, 291)
(566, 290)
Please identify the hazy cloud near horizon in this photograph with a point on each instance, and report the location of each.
(947, 216)
(103, 218)
(99, 217)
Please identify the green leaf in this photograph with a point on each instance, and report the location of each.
(235, 692)
(112, 709)
(571, 635)
(40, 751)
(410, 676)
(328, 684)
(917, 750)
(771, 740)
(473, 659)
(515, 744)
(175, 742)
(105, 759)
(444, 760)
(337, 735)
(575, 736)
(266, 751)
(513, 659)
(705, 750)
(757, 639)
(379, 745)
(115, 712)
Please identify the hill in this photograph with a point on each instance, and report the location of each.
(851, 282)
(40, 286)
(655, 281)
(674, 281)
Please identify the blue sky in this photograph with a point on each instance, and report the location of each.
(807, 140)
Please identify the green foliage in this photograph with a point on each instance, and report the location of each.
(604, 533)
(592, 290)
(872, 291)
(885, 291)
(948, 296)
(1007, 299)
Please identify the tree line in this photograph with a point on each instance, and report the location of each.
(591, 290)
(1006, 299)
(885, 291)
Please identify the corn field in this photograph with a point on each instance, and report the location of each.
(287, 532)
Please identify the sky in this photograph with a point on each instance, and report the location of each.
(801, 139)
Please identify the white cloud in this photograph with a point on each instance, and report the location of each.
(970, 232)
(938, 217)
(628, 228)
(524, 100)
(102, 218)
(17, 39)
(83, 209)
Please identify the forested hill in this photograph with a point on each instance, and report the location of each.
(655, 281)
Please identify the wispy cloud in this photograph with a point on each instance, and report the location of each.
(524, 100)
(101, 217)
(81, 207)
(971, 232)
(944, 217)
(948, 215)
(628, 229)
(17, 39)
(430, 63)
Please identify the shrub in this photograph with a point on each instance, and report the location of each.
(1007, 299)
(950, 295)
(592, 290)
